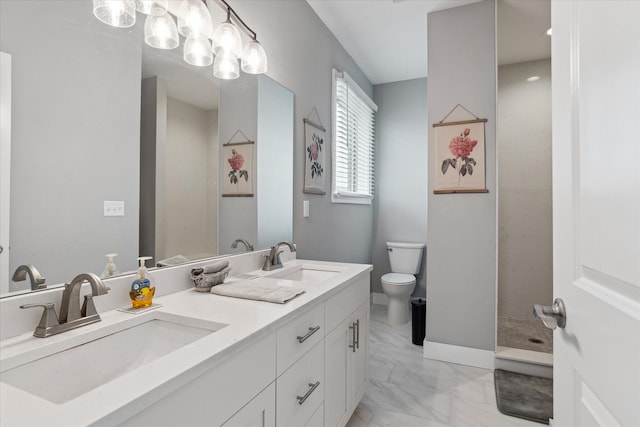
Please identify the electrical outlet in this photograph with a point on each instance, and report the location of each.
(114, 208)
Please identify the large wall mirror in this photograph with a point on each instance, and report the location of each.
(97, 116)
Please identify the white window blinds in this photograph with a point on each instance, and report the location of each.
(353, 141)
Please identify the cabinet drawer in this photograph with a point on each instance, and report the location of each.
(298, 336)
(295, 384)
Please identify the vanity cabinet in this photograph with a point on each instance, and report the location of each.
(310, 372)
(346, 349)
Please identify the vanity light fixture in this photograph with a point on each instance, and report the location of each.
(226, 39)
(194, 24)
(161, 32)
(152, 7)
(533, 78)
(194, 18)
(117, 13)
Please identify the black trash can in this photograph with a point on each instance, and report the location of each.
(418, 318)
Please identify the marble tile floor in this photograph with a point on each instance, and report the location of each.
(407, 390)
(518, 333)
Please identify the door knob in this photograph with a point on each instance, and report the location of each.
(551, 315)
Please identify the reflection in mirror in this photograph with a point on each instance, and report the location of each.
(78, 141)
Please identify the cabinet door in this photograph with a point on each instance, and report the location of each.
(337, 358)
(260, 412)
(359, 358)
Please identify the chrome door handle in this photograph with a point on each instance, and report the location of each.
(312, 331)
(551, 315)
(301, 399)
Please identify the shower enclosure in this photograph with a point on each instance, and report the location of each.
(525, 270)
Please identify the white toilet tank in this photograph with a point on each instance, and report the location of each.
(405, 257)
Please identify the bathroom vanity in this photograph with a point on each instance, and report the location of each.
(203, 359)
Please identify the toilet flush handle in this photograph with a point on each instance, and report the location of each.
(390, 249)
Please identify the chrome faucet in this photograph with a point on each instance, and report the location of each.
(37, 281)
(248, 246)
(71, 314)
(272, 261)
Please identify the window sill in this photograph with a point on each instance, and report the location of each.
(350, 200)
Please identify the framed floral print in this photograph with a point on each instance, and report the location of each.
(237, 165)
(460, 157)
(314, 153)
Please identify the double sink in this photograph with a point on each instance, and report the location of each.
(88, 360)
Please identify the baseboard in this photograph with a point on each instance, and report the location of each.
(379, 298)
(458, 354)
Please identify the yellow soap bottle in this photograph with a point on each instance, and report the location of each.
(142, 288)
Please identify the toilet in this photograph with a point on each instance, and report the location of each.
(405, 259)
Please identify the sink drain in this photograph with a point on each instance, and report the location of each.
(536, 341)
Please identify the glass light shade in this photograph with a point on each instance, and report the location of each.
(226, 39)
(226, 67)
(152, 7)
(161, 32)
(117, 13)
(197, 51)
(254, 58)
(194, 18)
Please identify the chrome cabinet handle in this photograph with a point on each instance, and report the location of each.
(312, 331)
(353, 337)
(301, 399)
(551, 315)
(357, 342)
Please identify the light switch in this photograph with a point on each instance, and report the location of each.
(305, 208)
(114, 208)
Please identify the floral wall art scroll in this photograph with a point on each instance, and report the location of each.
(314, 152)
(238, 169)
(459, 157)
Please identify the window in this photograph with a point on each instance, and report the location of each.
(353, 117)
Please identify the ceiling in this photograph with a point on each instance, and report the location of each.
(388, 38)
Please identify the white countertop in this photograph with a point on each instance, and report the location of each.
(121, 398)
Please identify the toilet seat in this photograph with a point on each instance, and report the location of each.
(398, 279)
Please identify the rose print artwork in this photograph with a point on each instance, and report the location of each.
(314, 174)
(237, 163)
(460, 158)
(312, 151)
(461, 147)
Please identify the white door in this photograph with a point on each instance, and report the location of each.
(5, 167)
(596, 211)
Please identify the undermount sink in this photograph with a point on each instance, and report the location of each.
(71, 372)
(305, 274)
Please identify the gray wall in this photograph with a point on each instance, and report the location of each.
(461, 260)
(302, 52)
(63, 114)
(238, 110)
(401, 173)
(525, 248)
(191, 222)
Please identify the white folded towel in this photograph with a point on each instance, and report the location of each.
(257, 292)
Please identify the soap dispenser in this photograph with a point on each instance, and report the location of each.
(110, 269)
(142, 288)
